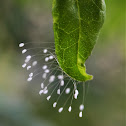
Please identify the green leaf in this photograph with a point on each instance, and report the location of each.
(76, 28)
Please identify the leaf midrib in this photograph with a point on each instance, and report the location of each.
(79, 29)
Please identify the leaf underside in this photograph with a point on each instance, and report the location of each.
(76, 28)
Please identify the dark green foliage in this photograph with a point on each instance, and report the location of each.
(76, 27)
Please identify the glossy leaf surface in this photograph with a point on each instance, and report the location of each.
(77, 24)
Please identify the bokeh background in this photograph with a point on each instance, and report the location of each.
(20, 103)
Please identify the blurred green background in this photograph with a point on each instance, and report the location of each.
(20, 103)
